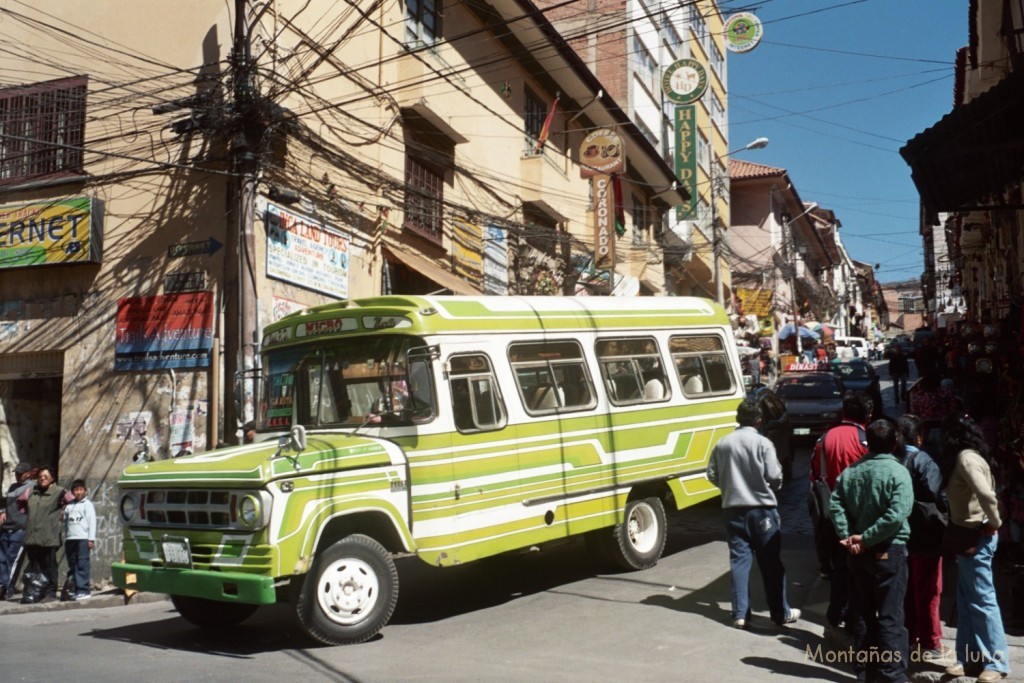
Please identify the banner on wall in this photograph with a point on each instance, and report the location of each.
(467, 252)
(163, 332)
(54, 232)
(496, 261)
(306, 252)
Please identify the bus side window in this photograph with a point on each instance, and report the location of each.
(702, 364)
(551, 376)
(632, 370)
(476, 403)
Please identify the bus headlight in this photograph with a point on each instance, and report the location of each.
(129, 507)
(249, 508)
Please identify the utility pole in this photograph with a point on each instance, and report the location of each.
(244, 143)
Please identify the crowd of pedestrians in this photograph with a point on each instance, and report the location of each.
(913, 506)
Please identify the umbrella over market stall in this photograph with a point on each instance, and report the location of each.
(787, 331)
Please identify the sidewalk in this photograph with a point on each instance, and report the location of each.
(112, 597)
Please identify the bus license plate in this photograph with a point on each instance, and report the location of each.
(177, 553)
(801, 431)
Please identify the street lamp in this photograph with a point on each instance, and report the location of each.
(792, 281)
(716, 232)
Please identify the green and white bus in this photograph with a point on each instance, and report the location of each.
(453, 428)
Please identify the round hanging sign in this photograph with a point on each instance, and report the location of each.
(742, 32)
(684, 81)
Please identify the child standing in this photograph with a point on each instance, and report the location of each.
(79, 538)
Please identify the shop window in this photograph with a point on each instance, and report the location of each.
(42, 129)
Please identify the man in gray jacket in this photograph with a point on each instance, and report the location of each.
(745, 467)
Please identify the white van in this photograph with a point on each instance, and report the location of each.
(858, 347)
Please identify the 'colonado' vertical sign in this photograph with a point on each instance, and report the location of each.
(604, 222)
(686, 159)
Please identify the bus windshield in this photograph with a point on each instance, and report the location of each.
(348, 382)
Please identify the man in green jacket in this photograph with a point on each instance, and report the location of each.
(870, 508)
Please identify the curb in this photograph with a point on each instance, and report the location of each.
(109, 598)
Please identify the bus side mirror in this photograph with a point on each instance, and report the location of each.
(297, 438)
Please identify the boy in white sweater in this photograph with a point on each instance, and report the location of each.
(79, 538)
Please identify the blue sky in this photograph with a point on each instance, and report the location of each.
(838, 86)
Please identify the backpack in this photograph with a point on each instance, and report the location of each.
(927, 521)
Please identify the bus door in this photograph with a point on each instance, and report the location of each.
(561, 455)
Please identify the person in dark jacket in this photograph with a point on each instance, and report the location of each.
(43, 505)
(12, 528)
(924, 549)
(899, 371)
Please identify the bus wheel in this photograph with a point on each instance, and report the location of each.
(637, 542)
(350, 592)
(211, 613)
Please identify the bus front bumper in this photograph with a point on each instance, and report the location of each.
(196, 583)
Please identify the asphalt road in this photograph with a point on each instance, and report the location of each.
(542, 616)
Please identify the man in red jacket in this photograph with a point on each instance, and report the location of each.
(840, 447)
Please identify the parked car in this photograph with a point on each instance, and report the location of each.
(814, 401)
(775, 425)
(859, 375)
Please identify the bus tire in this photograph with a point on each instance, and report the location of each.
(637, 543)
(208, 614)
(349, 594)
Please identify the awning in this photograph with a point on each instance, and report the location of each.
(974, 151)
(446, 279)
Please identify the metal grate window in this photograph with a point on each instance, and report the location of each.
(424, 199)
(42, 129)
(533, 121)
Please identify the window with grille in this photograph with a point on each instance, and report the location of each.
(422, 22)
(42, 129)
(424, 198)
(534, 114)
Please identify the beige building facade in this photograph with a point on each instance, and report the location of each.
(168, 187)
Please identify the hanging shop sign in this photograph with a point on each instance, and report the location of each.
(684, 81)
(686, 158)
(306, 252)
(59, 231)
(602, 153)
(604, 222)
(164, 332)
(742, 32)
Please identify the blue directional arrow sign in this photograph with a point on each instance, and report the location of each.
(207, 246)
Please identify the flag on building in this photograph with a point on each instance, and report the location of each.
(545, 130)
(620, 208)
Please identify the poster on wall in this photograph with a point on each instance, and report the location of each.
(467, 252)
(495, 261)
(52, 232)
(164, 332)
(306, 252)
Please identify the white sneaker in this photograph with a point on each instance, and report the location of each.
(82, 596)
(792, 617)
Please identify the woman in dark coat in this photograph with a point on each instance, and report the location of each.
(43, 504)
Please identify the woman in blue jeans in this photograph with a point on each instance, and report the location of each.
(971, 492)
